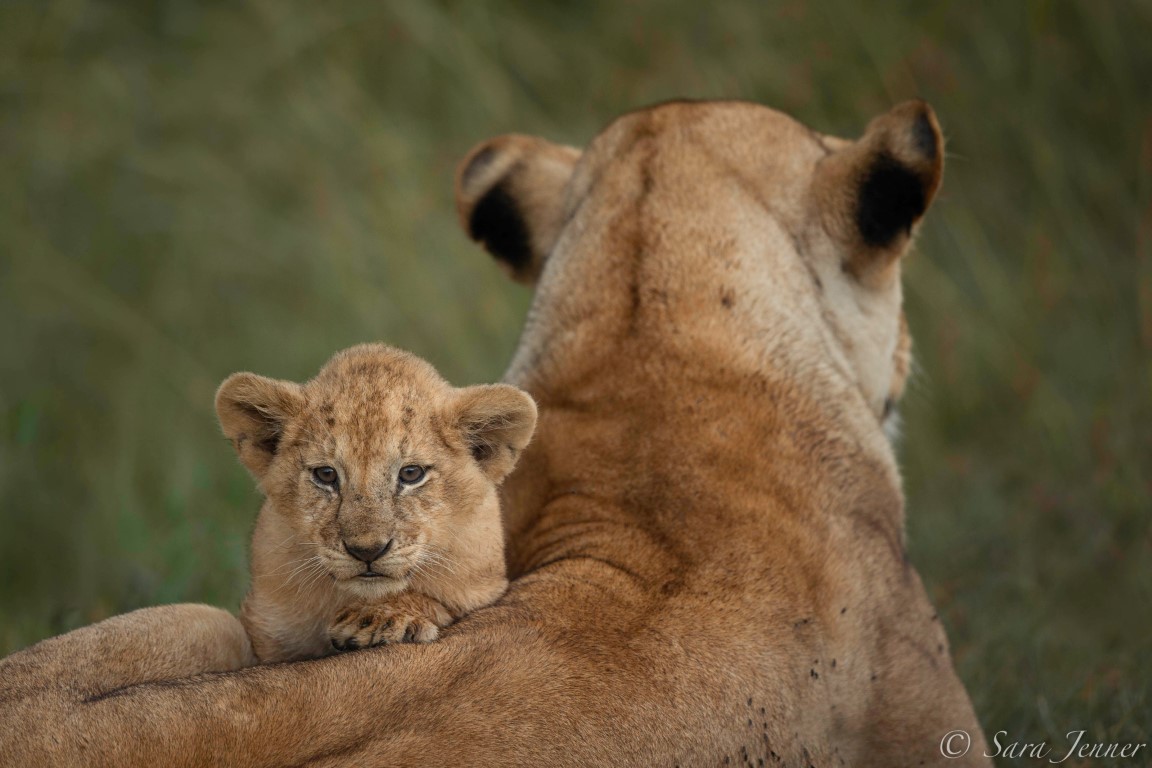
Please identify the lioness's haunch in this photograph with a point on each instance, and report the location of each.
(381, 521)
(705, 539)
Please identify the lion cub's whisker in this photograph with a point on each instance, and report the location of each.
(287, 538)
(302, 569)
(315, 574)
(292, 562)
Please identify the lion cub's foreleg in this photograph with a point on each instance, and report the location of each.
(409, 617)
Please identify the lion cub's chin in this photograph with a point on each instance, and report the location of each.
(379, 458)
(376, 586)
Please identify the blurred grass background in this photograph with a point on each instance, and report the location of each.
(193, 188)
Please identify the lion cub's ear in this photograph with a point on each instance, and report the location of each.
(510, 194)
(875, 190)
(497, 422)
(253, 411)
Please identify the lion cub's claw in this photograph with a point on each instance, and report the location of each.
(367, 627)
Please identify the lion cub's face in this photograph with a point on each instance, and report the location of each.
(377, 464)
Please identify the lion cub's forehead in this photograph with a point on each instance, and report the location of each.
(374, 370)
(374, 399)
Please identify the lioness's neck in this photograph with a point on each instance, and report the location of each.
(631, 351)
(600, 324)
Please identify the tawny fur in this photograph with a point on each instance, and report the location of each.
(705, 540)
(371, 411)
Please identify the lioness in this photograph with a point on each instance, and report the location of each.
(706, 537)
(381, 521)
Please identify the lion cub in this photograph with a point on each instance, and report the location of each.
(381, 521)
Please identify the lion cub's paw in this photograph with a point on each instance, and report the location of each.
(404, 619)
(353, 629)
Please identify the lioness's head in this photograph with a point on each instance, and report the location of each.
(378, 465)
(726, 230)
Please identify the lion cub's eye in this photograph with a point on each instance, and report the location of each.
(325, 475)
(411, 474)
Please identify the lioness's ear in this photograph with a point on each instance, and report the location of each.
(253, 411)
(510, 196)
(497, 422)
(876, 189)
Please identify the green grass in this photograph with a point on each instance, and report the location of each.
(189, 189)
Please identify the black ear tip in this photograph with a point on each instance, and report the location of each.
(891, 198)
(496, 221)
(900, 171)
(486, 202)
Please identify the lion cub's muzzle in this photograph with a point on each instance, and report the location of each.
(373, 564)
(368, 553)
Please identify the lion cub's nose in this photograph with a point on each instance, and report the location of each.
(368, 553)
